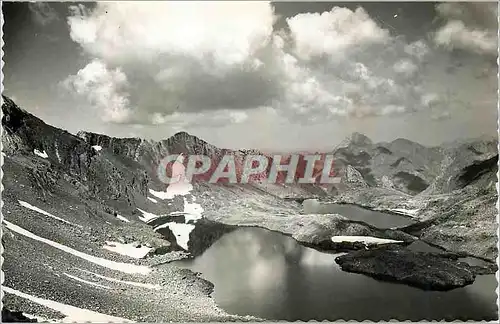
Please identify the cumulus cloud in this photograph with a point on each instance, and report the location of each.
(334, 32)
(102, 87)
(418, 49)
(185, 63)
(219, 35)
(405, 67)
(469, 26)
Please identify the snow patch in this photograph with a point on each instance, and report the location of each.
(43, 212)
(57, 152)
(118, 266)
(131, 283)
(129, 249)
(73, 314)
(363, 239)
(174, 189)
(192, 211)
(85, 281)
(147, 217)
(180, 231)
(97, 148)
(407, 212)
(122, 218)
(181, 187)
(153, 200)
(40, 154)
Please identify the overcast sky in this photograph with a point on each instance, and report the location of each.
(254, 74)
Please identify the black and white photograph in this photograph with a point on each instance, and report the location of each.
(249, 161)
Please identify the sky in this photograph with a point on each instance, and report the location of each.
(281, 76)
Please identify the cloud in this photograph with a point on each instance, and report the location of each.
(208, 64)
(418, 49)
(334, 32)
(469, 26)
(405, 67)
(219, 35)
(42, 13)
(101, 86)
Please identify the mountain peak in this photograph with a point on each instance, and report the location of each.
(182, 133)
(358, 138)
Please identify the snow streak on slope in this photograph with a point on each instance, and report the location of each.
(363, 239)
(130, 283)
(41, 211)
(40, 154)
(86, 282)
(73, 314)
(406, 212)
(122, 218)
(118, 266)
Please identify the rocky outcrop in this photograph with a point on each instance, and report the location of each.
(354, 177)
(68, 157)
(474, 161)
(425, 270)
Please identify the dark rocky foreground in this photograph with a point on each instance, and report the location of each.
(15, 317)
(425, 270)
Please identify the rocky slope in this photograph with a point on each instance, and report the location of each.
(401, 165)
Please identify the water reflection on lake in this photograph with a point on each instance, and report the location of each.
(266, 274)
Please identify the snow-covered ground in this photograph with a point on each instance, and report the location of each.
(41, 154)
(119, 266)
(73, 314)
(129, 249)
(363, 239)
